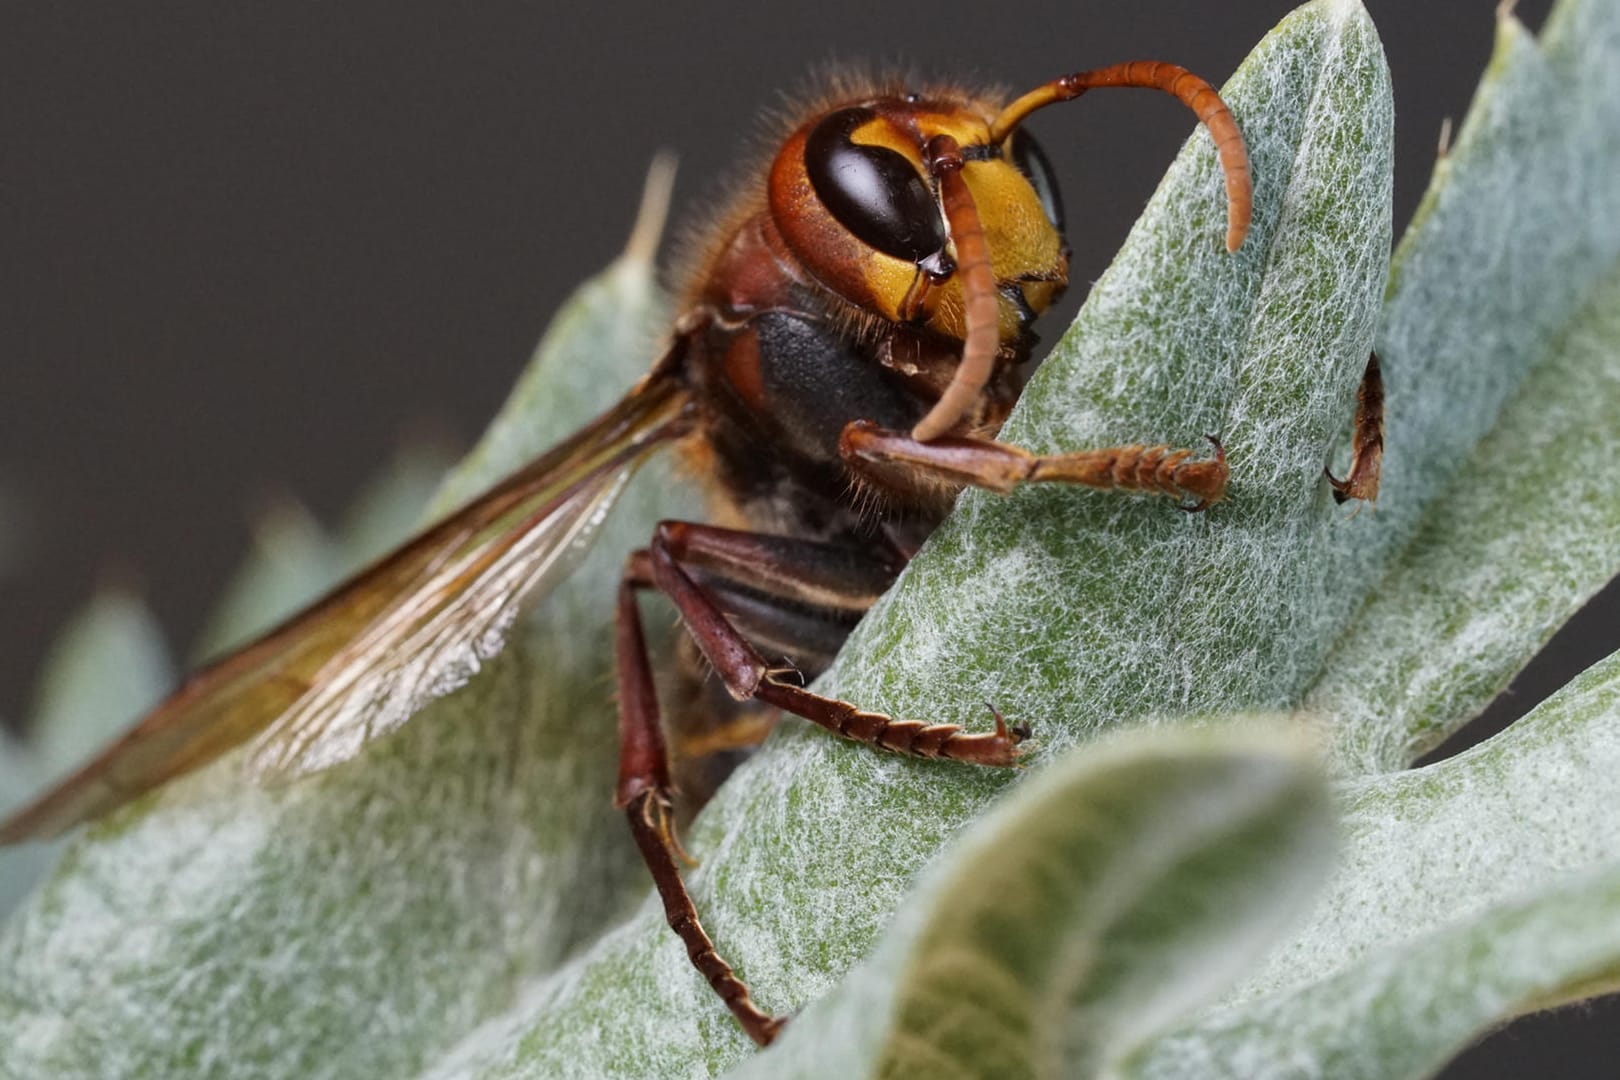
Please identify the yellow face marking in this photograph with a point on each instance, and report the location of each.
(1022, 242)
(879, 131)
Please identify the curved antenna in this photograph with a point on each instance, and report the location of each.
(981, 339)
(1185, 87)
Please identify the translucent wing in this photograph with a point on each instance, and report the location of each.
(436, 638)
(412, 627)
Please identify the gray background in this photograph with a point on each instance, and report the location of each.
(247, 248)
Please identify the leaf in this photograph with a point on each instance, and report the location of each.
(1473, 890)
(1072, 611)
(1125, 884)
(393, 506)
(1513, 266)
(1528, 533)
(385, 908)
(107, 665)
(293, 561)
(1485, 885)
(21, 868)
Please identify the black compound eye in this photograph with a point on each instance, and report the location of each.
(872, 191)
(1031, 160)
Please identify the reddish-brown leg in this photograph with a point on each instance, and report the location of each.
(644, 794)
(898, 462)
(747, 675)
(791, 597)
(1366, 443)
(797, 571)
(806, 571)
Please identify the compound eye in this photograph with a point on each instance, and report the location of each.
(872, 191)
(1032, 161)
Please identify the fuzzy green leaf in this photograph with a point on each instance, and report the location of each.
(395, 504)
(20, 869)
(108, 665)
(1472, 890)
(1513, 266)
(1123, 886)
(293, 561)
(1482, 886)
(403, 895)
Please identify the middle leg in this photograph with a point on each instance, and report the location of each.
(824, 575)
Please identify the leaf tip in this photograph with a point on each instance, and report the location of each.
(1340, 12)
(656, 193)
(1509, 27)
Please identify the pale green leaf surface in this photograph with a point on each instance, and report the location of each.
(292, 562)
(1072, 611)
(354, 922)
(20, 868)
(1126, 884)
(1474, 858)
(1527, 534)
(393, 505)
(1519, 232)
(107, 665)
(1471, 890)
(17, 769)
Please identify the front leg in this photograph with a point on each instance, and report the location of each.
(895, 461)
